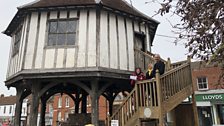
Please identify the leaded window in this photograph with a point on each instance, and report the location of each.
(17, 39)
(62, 32)
(202, 83)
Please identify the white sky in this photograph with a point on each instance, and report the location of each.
(162, 45)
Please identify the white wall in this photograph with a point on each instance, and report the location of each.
(115, 48)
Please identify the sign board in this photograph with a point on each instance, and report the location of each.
(114, 123)
(210, 97)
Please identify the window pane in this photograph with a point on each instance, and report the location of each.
(61, 39)
(53, 27)
(200, 86)
(70, 39)
(71, 26)
(199, 80)
(62, 27)
(52, 39)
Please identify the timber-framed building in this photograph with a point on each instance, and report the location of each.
(75, 47)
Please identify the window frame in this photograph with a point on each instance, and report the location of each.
(10, 109)
(60, 102)
(67, 100)
(65, 44)
(202, 77)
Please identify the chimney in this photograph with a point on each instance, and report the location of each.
(2, 95)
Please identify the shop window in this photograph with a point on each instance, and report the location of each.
(62, 32)
(221, 113)
(202, 83)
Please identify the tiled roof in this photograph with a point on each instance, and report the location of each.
(114, 4)
(9, 100)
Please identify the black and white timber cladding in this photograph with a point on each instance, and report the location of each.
(75, 35)
(77, 47)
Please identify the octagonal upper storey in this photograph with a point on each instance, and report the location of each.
(68, 34)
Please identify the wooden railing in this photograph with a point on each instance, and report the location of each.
(142, 59)
(160, 95)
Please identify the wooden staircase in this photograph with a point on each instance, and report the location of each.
(151, 99)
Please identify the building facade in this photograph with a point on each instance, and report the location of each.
(209, 94)
(81, 48)
(7, 110)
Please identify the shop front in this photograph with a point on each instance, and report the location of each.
(210, 108)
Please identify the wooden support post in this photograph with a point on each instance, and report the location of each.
(159, 98)
(77, 101)
(94, 103)
(168, 64)
(18, 109)
(42, 112)
(84, 102)
(34, 104)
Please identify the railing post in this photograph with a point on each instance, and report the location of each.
(159, 93)
(195, 111)
(168, 67)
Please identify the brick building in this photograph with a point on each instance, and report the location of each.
(209, 94)
(7, 110)
(60, 106)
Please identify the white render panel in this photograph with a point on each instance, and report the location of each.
(73, 14)
(70, 59)
(63, 14)
(9, 61)
(92, 39)
(23, 42)
(49, 58)
(136, 26)
(113, 43)
(148, 39)
(60, 58)
(53, 15)
(82, 39)
(130, 45)
(16, 63)
(31, 41)
(41, 40)
(104, 57)
(122, 44)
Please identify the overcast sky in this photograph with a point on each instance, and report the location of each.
(162, 45)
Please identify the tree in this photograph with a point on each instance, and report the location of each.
(202, 24)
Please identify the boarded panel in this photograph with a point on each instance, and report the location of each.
(49, 58)
(82, 39)
(113, 43)
(92, 39)
(73, 14)
(63, 14)
(31, 41)
(104, 56)
(53, 15)
(60, 58)
(70, 59)
(130, 45)
(122, 44)
(41, 41)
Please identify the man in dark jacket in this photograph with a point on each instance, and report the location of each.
(159, 65)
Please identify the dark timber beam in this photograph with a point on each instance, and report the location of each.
(34, 103)
(18, 109)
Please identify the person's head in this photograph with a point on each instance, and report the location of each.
(138, 70)
(157, 57)
(150, 66)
